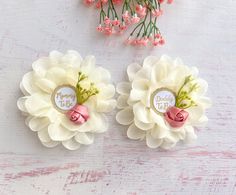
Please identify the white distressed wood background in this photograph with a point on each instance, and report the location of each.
(202, 33)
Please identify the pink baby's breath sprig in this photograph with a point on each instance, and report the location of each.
(144, 14)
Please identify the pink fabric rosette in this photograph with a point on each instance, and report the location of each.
(176, 117)
(78, 114)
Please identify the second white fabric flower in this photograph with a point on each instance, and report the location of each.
(135, 102)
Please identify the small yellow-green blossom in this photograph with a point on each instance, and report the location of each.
(183, 98)
(84, 94)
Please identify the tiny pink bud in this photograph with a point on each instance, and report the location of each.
(145, 41)
(99, 28)
(122, 27)
(116, 22)
(98, 5)
(104, 1)
(169, 1)
(134, 42)
(125, 15)
(157, 36)
(155, 43)
(140, 10)
(117, 2)
(135, 19)
(129, 40)
(107, 30)
(162, 41)
(88, 2)
(107, 21)
(157, 12)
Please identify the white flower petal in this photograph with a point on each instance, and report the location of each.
(136, 95)
(72, 76)
(144, 73)
(195, 113)
(72, 58)
(84, 138)
(205, 102)
(100, 75)
(87, 65)
(152, 142)
(178, 62)
(165, 59)
(23, 90)
(202, 121)
(159, 72)
(41, 66)
(158, 119)
(125, 117)
(169, 142)
(45, 85)
(106, 91)
(59, 133)
(194, 71)
(143, 126)
(27, 120)
(98, 122)
(122, 101)
(38, 123)
(159, 132)
(190, 134)
(50, 144)
(135, 133)
(202, 86)
(71, 144)
(132, 70)
(44, 136)
(28, 83)
(106, 75)
(56, 75)
(180, 132)
(21, 104)
(142, 113)
(123, 88)
(38, 105)
(55, 56)
(150, 61)
(141, 84)
(106, 105)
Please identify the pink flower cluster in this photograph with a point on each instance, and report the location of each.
(109, 26)
(98, 3)
(142, 14)
(128, 19)
(158, 40)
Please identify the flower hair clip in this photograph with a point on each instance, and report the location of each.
(162, 102)
(66, 98)
(143, 15)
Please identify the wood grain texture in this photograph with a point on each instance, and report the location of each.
(202, 33)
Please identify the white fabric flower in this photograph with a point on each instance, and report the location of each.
(134, 101)
(52, 126)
